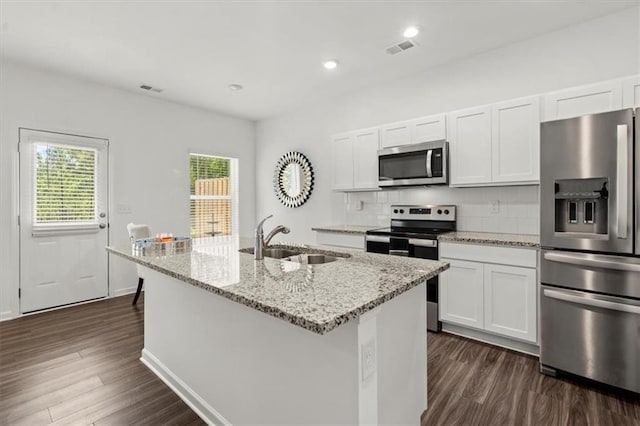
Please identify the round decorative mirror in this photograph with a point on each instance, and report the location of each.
(293, 179)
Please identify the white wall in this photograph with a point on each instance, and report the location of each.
(149, 144)
(597, 50)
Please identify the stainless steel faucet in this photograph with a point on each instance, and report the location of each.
(261, 243)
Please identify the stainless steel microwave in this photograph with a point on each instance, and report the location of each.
(419, 164)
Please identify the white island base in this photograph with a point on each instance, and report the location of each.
(236, 365)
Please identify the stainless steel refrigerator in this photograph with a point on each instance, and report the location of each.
(590, 260)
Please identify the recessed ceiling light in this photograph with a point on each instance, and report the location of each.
(235, 87)
(330, 65)
(411, 32)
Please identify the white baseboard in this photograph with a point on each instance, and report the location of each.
(503, 342)
(192, 399)
(6, 315)
(123, 291)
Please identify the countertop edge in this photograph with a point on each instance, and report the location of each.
(490, 242)
(337, 230)
(316, 327)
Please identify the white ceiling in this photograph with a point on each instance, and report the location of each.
(195, 49)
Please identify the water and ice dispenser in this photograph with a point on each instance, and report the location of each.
(582, 205)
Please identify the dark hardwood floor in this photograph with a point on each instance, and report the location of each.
(471, 383)
(80, 365)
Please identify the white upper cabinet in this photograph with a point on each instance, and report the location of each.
(577, 101)
(431, 128)
(355, 160)
(395, 134)
(470, 146)
(515, 137)
(417, 130)
(365, 158)
(631, 92)
(342, 160)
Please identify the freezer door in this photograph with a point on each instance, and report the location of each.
(591, 335)
(614, 275)
(577, 156)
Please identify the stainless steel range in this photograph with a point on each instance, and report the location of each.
(414, 233)
(590, 266)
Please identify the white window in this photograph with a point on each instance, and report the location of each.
(64, 184)
(213, 195)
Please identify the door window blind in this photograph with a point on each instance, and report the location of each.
(65, 182)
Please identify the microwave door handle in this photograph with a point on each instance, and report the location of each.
(622, 177)
(429, 155)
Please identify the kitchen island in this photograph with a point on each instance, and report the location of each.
(283, 342)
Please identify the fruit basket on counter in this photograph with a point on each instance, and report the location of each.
(160, 246)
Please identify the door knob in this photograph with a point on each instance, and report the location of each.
(102, 226)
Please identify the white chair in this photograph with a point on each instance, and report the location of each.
(137, 232)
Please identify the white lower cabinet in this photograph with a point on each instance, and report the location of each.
(461, 294)
(510, 301)
(480, 291)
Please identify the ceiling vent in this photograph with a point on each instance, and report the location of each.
(401, 47)
(151, 88)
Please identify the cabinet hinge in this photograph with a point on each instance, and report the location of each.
(19, 293)
(18, 220)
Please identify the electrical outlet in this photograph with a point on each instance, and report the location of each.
(494, 206)
(368, 361)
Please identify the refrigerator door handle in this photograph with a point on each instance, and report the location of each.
(594, 261)
(622, 178)
(575, 297)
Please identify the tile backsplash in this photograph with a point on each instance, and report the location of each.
(509, 209)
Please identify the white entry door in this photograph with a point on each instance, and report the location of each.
(63, 219)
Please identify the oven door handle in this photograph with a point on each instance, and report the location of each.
(423, 243)
(594, 261)
(377, 239)
(399, 252)
(593, 301)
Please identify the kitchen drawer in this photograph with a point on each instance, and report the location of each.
(490, 254)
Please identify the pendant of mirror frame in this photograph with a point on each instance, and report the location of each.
(293, 179)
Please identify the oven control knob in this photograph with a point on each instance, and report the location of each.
(439, 211)
(446, 212)
(395, 210)
(401, 211)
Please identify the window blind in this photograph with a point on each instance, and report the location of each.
(211, 196)
(65, 182)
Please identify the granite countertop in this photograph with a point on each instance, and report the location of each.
(318, 298)
(518, 240)
(346, 229)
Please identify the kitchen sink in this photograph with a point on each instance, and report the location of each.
(274, 253)
(311, 259)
